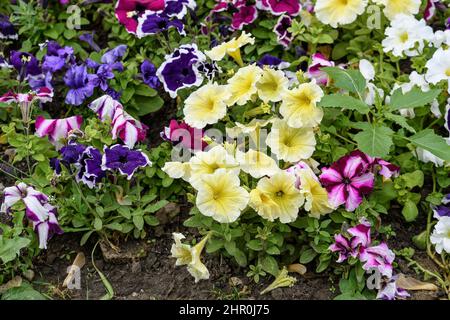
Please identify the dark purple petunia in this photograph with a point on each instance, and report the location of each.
(113, 94)
(447, 118)
(55, 164)
(104, 74)
(126, 161)
(154, 23)
(284, 37)
(89, 39)
(148, 73)
(71, 153)
(209, 69)
(273, 62)
(180, 70)
(89, 167)
(80, 83)
(43, 80)
(7, 30)
(178, 8)
(447, 23)
(25, 63)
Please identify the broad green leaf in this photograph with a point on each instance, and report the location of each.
(430, 141)
(351, 80)
(400, 120)
(345, 102)
(412, 99)
(410, 211)
(375, 140)
(146, 105)
(270, 265)
(24, 292)
(10, 248)
(307, 256)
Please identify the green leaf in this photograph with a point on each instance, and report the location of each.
(10, 248)
(98, 224)
(410, 211)
(345, 102)
(151, 208)
(400, 120)
(375, 140)
(146, 105)
(270, 265)
(412, 99)
(430, 141)
(24, 292)
(255, 245)
(138, 221)
(307, 256)
(351, 80)
(273, 250)
(151, 220)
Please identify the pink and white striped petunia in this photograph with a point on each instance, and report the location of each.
(57, 129)
(347, 181)
(315, 69)
(38, 210)
(378, 257)
(124, 126)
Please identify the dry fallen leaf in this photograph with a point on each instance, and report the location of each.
(77, 264)
(297, 267)
(13, 283)
(409, 283)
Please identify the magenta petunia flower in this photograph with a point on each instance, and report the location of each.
(378, 257)
(377, 165)
(347, 181)
(244, 16)
(128, 11)
(315, 69)
(359, 241)
(279, 7)
(57, 129)
(191, 138)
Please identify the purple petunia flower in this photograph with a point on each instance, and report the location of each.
(148, 73)
(447, 117)
(284, 37)
(390, 291)
(47, 227)
(178, 8)
(378, 257)
(71, 153)
(89, 39)
(43, 80)
(104, 74)
(7, 30)
(89, 167)
(80, 83)
(57, 129)
(56, 57)
(25, 63)
(442, 210)
(151, 23)
(273, 62)
(244, 16)
(126, 161)
(209, 70)
(347, 181)
(180, 69)
(113, 55)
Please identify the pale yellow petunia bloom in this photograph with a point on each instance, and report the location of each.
(277, 198)
(299, 107)
(271, 85)
(232, 48)
(257, 164)
(206, 105)
(242, 86)
(339, 12)
(291, 144)
(316, 196)
(392, 8)
(221, 197)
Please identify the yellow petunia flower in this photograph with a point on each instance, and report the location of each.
(277, 198)
(299, 107)
(207, 162)
(316, 197)
(339, 12)
(190, 256)
(271, 84)
(291, 144)
(243, 84)
(177, 170)
(221, 197)
(206, 105)
(232, 48)
(394, 7)
(257, 163)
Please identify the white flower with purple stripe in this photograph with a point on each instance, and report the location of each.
(57, 129)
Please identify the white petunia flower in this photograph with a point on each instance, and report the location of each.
(439, 67)
(441, 235)
(406, 36)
